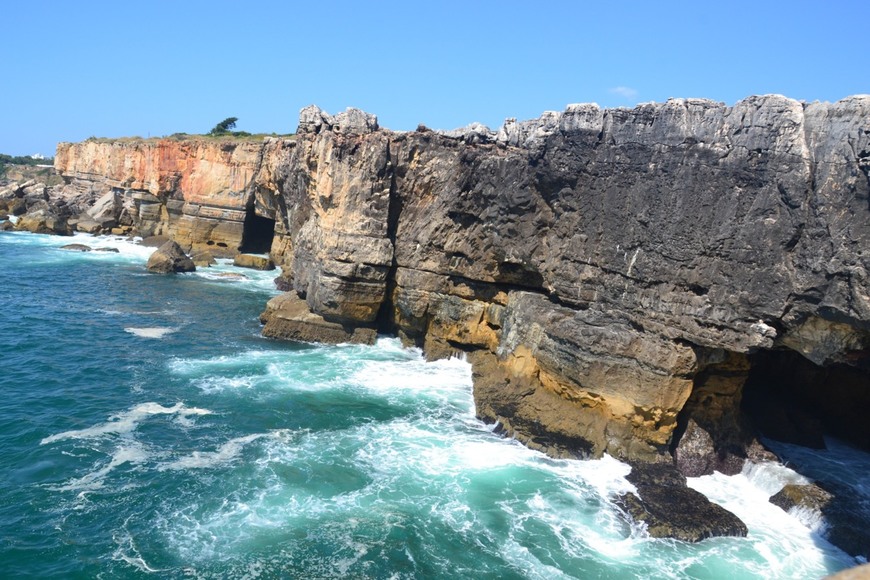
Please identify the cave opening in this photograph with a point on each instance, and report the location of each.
(791, 399)
(257, 234)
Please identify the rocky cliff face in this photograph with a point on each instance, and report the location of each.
(618, 278)
(197, 191)
(612, 274)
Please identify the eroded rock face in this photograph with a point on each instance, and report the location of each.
(611, 273)
(197, 191)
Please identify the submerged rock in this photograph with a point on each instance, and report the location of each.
(77, 248)
(170, 258)
(844, 525)
(671, 509)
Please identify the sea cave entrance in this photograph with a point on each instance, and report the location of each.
(793, 400)
(258, 233)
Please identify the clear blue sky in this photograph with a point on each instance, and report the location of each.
(75, 69)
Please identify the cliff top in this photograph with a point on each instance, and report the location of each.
(586, 116)
(255, 137)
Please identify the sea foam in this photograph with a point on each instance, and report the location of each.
(150, 331)
(127, 421)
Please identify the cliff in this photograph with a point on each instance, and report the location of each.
(616, 276)
(629, 281)
(198, 191)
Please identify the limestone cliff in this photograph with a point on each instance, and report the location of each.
(199, 191)
(620, 278)
(606, 270)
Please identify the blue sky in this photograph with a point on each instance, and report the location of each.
(76, 69)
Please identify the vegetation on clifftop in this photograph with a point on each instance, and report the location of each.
(7, 160)
(221, 132)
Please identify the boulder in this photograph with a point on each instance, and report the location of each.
(105, 207)
(88, 226)
(109, 250)
(9, 192)
(34, 193)
(254, 262)
(170, 258)
(845, 525)
(203, 259)
(671, 509)
(288, 317)
(16, 206)
(6, 226)
(43, 222)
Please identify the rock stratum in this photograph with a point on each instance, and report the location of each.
(657, 283)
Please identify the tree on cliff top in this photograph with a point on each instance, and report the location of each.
(224, 126)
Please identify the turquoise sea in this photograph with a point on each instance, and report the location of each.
(147, 430)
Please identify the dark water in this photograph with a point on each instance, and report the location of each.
(147, 430)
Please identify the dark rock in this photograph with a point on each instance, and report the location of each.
(283, 284)
(670, 509)
(6, 226)
(846, 526)
(17, 207)
(76, 248)
(170, 258)
(109, 250)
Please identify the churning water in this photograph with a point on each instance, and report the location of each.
(148, 430)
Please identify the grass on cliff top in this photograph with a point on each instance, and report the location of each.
(228, 138)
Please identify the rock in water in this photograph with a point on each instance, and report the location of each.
(76, 248)
(288, 317)
(845, 526)
(670, 509)
(170, 258)
(254, 262)
(43, 221)
(203, 259)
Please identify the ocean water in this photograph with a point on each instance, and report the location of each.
(147, 430)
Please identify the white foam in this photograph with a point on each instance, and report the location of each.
(788, 547)
(208, 459)
(126, 422)
(151, 331)
(224, 272)
(132, 453)
(125, 544)
(770, 477)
